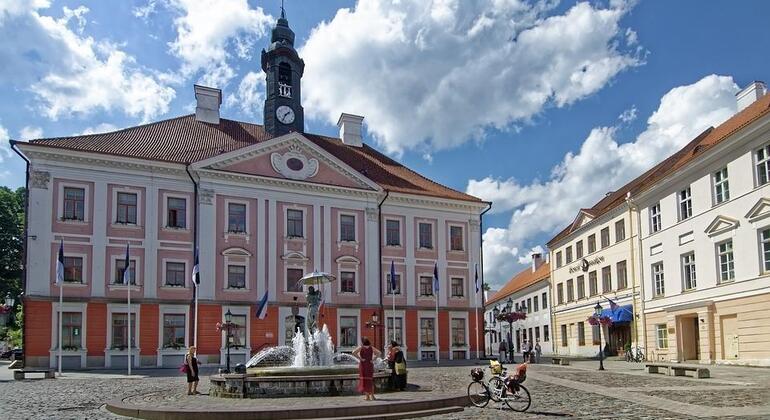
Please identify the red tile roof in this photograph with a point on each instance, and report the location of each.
(185, 140)
(690, 152)
(520, 281)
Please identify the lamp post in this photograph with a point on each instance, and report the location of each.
(228, 326)
(598, 314)
(523, 310)
(509, 309)
(374, 323)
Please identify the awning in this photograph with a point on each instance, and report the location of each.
(620, 314)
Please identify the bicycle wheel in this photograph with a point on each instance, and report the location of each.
(496, 388)
(518, 400)
(478, 394)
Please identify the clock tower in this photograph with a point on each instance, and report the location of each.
(283, 111)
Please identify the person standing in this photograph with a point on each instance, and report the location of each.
(365, 354)
(538, 351)
(502, 349)
(192, 371)
(397, 364)
(525, 351)
(530, 352)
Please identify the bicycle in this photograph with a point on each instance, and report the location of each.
(635, 354)
(480, 393)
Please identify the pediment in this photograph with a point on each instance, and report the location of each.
(760, 210)
(721, 224)
(581, 219)
(236, 251)
(292, 157)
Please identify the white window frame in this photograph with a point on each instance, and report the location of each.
(86, 202)
(420, 347)
(452, 347)
(400, 232)
(400, 276)
(731, 262)
(350, 312)
(187, 273)
(187, 211)
(424, 297)
(763, 261)
(432, 234)
(54, 350)
(399, 313)
(449, 237)
(85, 279)
(226, 212)
(723, 184)
(296, 265)
(339, 227)
(286, 222)
(119, 308)
(173, 310)
(244, 351)
(687, 261)
(343, 264)
(658, 339)
(228, 255)
(684, 203)
(621, 222)
(464, 284)
(656, 221)
(113, 268)
(765, 162)
(658, 279)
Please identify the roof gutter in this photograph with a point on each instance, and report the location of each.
(379, 264)
(481, 260)
(24, 248)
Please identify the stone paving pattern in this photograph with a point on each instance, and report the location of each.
(628, 394)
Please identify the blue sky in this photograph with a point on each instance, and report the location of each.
(517, 102)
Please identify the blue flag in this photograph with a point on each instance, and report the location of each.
(392, 278)
(262, 307)
(60, 265)
(476, 276)
(196, 270)
(435, 279)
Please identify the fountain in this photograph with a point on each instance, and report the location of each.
(310, 366)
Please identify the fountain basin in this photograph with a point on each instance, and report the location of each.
(304, 382)
(305, 370)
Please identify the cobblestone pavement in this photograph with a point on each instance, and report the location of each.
(577, 391)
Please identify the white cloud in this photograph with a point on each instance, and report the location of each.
(250, 94)
(631, 37)
(603, 163)
(70, 73)
(144, 12)
(208, 30)
(99, 128)
(430, 75)
(628, 115)
(5, 147)
(30, 133)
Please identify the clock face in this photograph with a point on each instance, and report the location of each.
(285, 114)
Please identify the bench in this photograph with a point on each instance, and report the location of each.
(20, 374)
(656, 368)
(678, 370)
(560, 361)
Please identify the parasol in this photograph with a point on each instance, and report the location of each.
(316, 278)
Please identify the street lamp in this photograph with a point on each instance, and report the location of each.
(523, 309)
(228, 325)
(9, 301)
(373, 324)
(509, 309)
(598, 314)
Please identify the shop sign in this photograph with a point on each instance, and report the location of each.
(586, 264)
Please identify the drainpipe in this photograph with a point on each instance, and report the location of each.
(634, 329)
(195, 250)
(641, 278)
(24, 251)
(481, 264)
(379, 264)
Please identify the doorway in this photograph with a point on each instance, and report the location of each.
(618, 336)
(690, 335)
(729, 324)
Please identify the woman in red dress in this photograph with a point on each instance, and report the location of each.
(365, 353)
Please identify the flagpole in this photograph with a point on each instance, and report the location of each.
(476, 304)
(195, 333)
(129, 323)
(61, 302)
(438, 332)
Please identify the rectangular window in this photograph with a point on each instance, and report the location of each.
(726, 261)
(544, 300)
(537, 334)
(294, 224)
(596, 335)
(622, 271)
(236, 218)
(763, 164)
(581, 334)
(458, 332)
(721, 186)
(581, 287)
(458, 288)
(560, 293)
(390, 286)
(655, 222)
(238, 333)
(393, 232)
(173, 331)
(579, 250)
(529, 305)
(71, 328)
(236, 276)
(591, 243)
(570, 291)
(456, 238)
(427, 335)
(348, 281)
(605, 237)
(765, 237)
(546, 337)
(347, 228)
(426, 286)
(658, 280)
(292, 279)
(593, 286)
(348, 331)
(177, 213)
(606, 279)
(564, 335)
(426, 235)
(558, 259)
(688, 271)
(568, 254)
(620, 230)
(74, 203)
(685, 204)
(661, 336)
(534, 301)
(120, 331)
(120, 267)
(73, 269)
(175, 274)
(398, 330)
(126, 211)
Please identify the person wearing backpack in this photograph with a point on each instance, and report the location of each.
(397, 363)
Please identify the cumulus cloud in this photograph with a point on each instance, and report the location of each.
(628, 115)
(430, 75)
(250, 94)
(70, 73)
(603, 163)
(99, 128)
(209, 31)
(30, 133)
(5, 148)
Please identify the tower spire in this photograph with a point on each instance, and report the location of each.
(283, 11)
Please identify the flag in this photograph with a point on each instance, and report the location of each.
(196, 270)
(435, 279)
(613, 306)
(392, 278)
(60, 265)
(262, 307)
(127, 268)
(476, 276)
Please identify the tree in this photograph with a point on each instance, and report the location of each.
(486, 287)
(11, 243)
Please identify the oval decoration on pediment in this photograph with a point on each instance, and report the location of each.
(293, 164)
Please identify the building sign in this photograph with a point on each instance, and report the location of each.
(586, 264)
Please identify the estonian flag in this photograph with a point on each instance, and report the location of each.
(392, 278)
(435, 279)
(127, 268)
(476, 276)
(60, 265)
(196, 270)
(262, 307)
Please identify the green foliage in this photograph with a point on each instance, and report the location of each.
(11, 247)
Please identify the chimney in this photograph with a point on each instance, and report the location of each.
(207, 104)
(750, 93)
(537, 261)
(351, 129)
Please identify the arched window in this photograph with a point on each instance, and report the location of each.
(284, 80)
